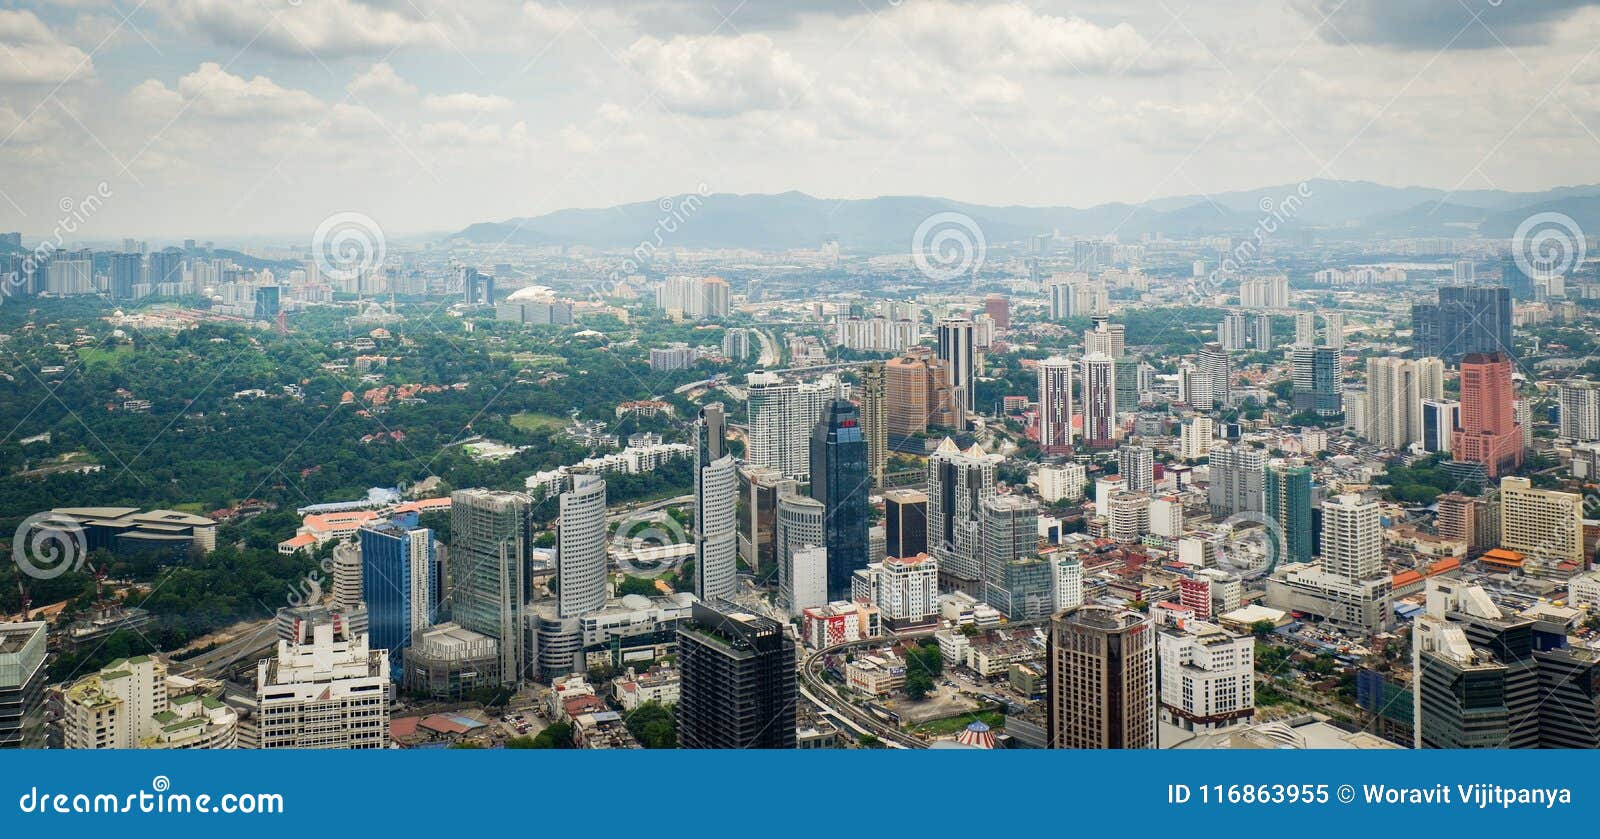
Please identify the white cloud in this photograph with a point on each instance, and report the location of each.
(20, 129)
(214, 92)
(468, 103)
(381, 80)
(1012, 35)
(32, 54)
(719, 76)
(326, 29)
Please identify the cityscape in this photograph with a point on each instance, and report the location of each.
(791, 442)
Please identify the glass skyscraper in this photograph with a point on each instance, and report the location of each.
(839, 480)
(399, 584)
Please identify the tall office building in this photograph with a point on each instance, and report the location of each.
(781, 416)
(1015, 580)
(1207, 676)
(959, 351)
(1237, 479)
(875, 419)
(1099, 401)
(1489, 434)
(399, 585)
(1333, 330)
(127, 271)
(581, 564)
(1287, 489)
(839, 480)
(477, 288)
(1101, 664)
(1395, 390)
(1580, 410)
(1318, 380)
(1544, 525)
(801, 527)
(1440, 417)
(1105, 337)
(920, 397)
(1464, 320)
(905, 514)
(1260, 333)
(738, 687)
(491, 535)
(1352, 537)
(998, 308)
(1231, 332)
(1055, 405)
(716, 502)
(1305, 329)
(22, 678)
(958, 483)
(1212, 365)
(1270, 292)
(1482, 678)
(1195, 438)
(759, 489)
(325, 688)
(1137, 466)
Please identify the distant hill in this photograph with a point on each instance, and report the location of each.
(886, 224)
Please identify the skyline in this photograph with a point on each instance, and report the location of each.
(210, 121)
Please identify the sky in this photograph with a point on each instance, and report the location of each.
(218, 118)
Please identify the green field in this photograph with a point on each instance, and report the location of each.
(537, 422)
(103, 355)
(957, 723)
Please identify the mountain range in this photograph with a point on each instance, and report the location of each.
(1353, 209)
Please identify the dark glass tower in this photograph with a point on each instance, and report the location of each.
(739, 684)
(1467, 319)
(839, 480)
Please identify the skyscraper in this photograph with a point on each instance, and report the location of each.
(1010, 532)
(1440, 417)
(1055, 405)
(1482, 678)
(1489, 435)
(1544, 525)
(1137, 466)
(22, 678)
(958, 350)
(738, 684)
(1288, 502)
(875, 419)
(1101, 664)
(958, 482)
(782, 414)
(920, 397)
(581, 547)
(399, 581)
(905, 513)
(801, 526)
(1213, 366)
(491, 533)
(716, 496)
(1105, 337)
(1099, 401)
(1318, 380)
(1465, 320)
(1580, 410)
(326, 687)
(1237, 479)
(1395, 390)
(839, 480)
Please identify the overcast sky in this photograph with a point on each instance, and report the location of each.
(236, 117)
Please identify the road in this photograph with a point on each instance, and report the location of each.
(769, 349)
